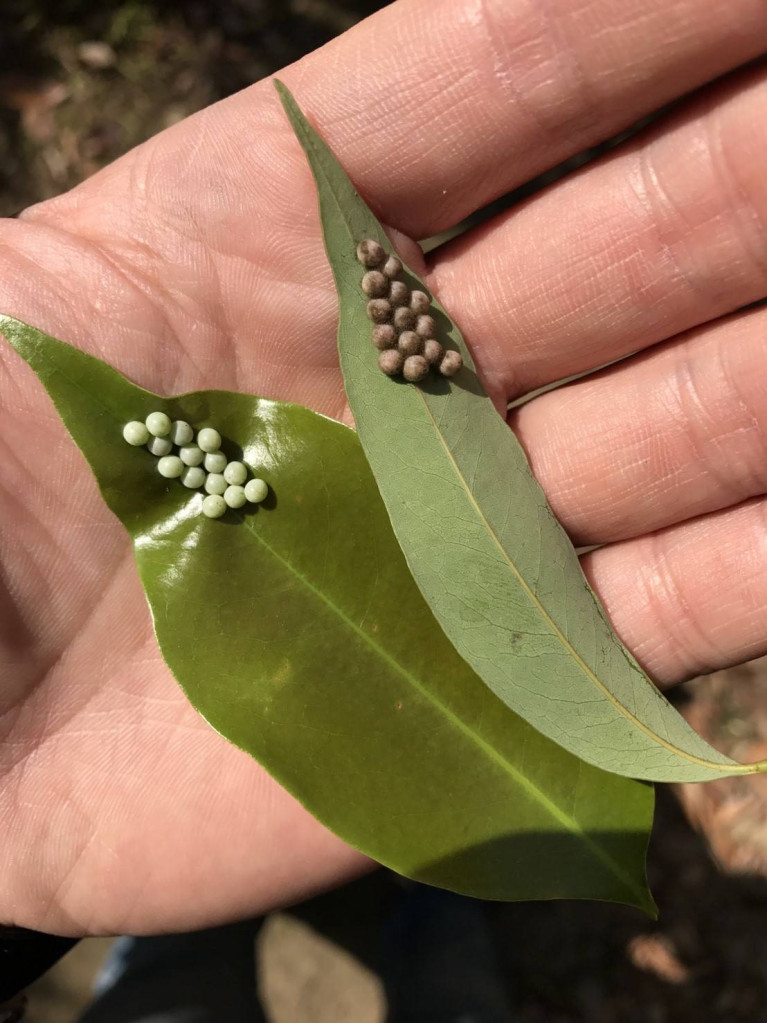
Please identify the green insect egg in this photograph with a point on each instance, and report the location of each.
(181, 432)
(235, 473)
(135, 433)
(158, 424)
(170, 467)
(193, 477)
(209, 439)
(213, 506)
(215, 483)
(235, 496)
(215, 461)
(191, 454)
(256, 490)
(160, 446)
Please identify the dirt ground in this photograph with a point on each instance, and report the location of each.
(79, 84)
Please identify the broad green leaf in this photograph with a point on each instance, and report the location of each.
(297, 631)
(495, 566)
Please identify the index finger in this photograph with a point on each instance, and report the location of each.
(436, 108)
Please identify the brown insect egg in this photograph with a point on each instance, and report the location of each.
(384, 336)
(451, 363)
(392, 267)
(425, 326)
(391, 362)
(415, 368)
(379, 310)
(399, 293)
(370, 253)
(375, 285)
(432, 351)
(409, 343)
(420, 302)
(404, 318)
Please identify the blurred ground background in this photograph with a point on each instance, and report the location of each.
(80, 83)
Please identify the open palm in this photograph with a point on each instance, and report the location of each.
(197, 261)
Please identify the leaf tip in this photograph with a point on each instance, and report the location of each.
(293, 111)
(287, 99)
(9, 329)
(648, 905)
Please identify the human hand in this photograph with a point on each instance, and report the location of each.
(197, 261)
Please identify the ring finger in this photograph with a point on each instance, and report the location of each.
(676, 432)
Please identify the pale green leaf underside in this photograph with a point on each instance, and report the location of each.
(298, 632)
(495, 566)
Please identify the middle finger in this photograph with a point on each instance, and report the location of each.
(665, 234)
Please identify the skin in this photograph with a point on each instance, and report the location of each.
(197, 260)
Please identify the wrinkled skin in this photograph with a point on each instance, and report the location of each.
(196, 261)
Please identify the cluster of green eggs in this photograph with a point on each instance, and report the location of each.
(197, 462)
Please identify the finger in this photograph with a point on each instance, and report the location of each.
(665, 234)
(663, 437)
(437, 108)
(488, 93)
(692, 598)
(204, 242)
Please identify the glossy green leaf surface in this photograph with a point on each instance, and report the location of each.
(298, 632)
(496, 568)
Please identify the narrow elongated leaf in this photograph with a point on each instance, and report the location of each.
(495, 566)
(298, 632)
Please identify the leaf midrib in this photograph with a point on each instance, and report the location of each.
(556, 813)
(555, 629)
(730, 768)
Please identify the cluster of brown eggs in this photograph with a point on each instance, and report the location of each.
(404, 330)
